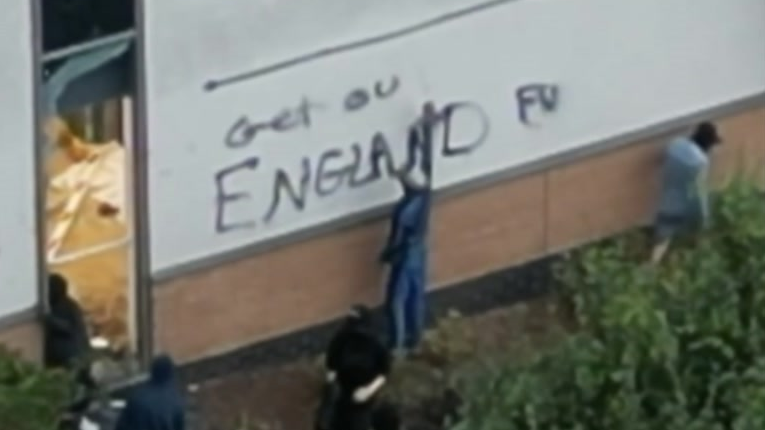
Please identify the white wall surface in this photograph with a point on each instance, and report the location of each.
(619, 65)
(18, 250)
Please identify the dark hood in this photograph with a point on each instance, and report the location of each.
(58, 289)
(162, 371)
(360, 317)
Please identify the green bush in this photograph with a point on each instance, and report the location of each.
(31, 398)
(675, 347)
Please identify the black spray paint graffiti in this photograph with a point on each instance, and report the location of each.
(546, 96)
(359, 98)
(245, 131)
(353, 167)
(225, 198)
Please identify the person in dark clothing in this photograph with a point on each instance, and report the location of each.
(157, 404)
(359, 319)
(67, 345)
(357, 365)
(406, 249)
(66, 341)
(356, 358)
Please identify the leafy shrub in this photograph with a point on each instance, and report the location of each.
(675, 347)
(31, 398)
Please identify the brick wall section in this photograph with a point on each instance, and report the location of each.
(603, 195)
(304, 284)
(745, 147)
(493, 228)
(24, 338)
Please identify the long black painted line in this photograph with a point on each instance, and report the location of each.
(215, 84)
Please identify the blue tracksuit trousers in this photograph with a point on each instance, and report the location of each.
(405, 303)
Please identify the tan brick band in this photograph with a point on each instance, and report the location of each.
(271, 294)
(21, 333)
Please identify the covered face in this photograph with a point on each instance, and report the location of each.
(58, 289)
(156, 405)
(162, 370)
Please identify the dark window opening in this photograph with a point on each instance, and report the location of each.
(70, 22)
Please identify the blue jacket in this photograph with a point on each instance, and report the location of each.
(156, 405)
(684, 191)
(407, 239)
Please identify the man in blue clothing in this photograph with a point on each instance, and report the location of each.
(684, 200)
(407, 248)
(157, 404)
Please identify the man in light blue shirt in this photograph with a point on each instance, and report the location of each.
(684, 201)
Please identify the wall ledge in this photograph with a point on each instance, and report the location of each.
(18, 318)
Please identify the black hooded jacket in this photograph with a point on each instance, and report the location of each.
(66, 334)
(157, 404)
(356, 353)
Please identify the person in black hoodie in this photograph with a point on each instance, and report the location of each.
(356, 356)
(357, 366)
(67, 345)
(157, 404)
(66, 342)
